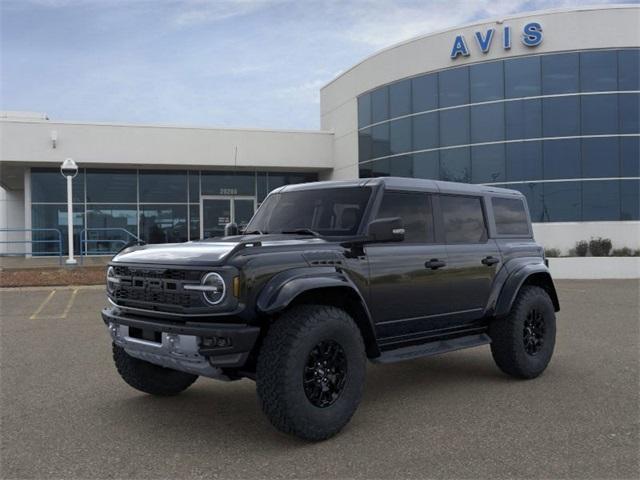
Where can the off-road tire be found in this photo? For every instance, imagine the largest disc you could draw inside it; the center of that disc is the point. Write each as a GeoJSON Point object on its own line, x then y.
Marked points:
{"type": "Point", "coordinates": [150, 378]}
{"type": "Point", "coordinates": [507, 343]}
{"type": "Point", "coordinates": [281, 363]}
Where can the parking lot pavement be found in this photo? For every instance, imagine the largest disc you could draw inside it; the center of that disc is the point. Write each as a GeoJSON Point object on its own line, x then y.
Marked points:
{"type": "Point", "coordinates": [67, 414]}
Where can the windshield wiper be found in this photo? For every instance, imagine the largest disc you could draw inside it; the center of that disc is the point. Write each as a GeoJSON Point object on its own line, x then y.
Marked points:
{"type": "Point", "coordinates": [302, 231]}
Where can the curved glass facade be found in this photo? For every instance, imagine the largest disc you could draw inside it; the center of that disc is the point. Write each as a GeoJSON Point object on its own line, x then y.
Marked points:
{"type": "Point", "coordinates": [561, 128]}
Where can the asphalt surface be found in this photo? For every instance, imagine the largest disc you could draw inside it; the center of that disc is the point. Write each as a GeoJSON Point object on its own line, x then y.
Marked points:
{"type": "Point", "coordinates": [67, 414]}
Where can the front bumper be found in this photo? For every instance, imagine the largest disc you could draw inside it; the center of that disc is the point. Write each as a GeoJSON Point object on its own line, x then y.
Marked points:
{"type": "Point", "coordinates": [193, 347]}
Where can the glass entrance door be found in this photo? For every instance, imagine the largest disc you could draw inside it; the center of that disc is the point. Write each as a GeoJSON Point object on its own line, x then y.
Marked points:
{"type": "Point", "coordinates": [216, 211]}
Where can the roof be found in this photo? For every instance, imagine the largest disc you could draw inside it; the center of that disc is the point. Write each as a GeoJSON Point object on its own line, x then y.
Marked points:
{"type": "Point", "coordinates": [403, 183]}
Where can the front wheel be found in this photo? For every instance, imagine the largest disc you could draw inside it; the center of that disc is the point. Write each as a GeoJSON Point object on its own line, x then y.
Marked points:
{"type": "Point", "coordinates": [522, 343]}
{"type": "Point", "coordinates": [311, 370]}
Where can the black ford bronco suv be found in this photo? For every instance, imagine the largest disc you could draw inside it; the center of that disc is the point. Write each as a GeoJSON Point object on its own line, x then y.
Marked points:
{"type": "Point", "coordinates": [325, 276]}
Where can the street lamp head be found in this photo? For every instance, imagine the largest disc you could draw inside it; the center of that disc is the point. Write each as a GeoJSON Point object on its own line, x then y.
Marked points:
{"type": "Point", "coordinates": [69, 168]}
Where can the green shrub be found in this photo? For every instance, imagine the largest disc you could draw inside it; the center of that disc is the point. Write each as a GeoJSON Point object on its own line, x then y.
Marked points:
{"type": "Point", "coordinates": [622, 252]}
{"type": "Point", "coordinates": [551, 252]}
{"type": "Point", "coordinates": [600, 247]}
{"type": "Point", "coordinates": [581, 249]}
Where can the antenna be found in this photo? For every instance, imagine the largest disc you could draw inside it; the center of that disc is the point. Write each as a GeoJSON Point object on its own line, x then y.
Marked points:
{"type": "Point", "coordinates": [235, 158]}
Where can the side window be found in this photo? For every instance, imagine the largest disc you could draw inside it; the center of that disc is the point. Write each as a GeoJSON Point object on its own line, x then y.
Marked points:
{"type": "Point", "coordinates": [415, 211]}
{"type": "Point", "coordinates": [463, 219]}
{"type": "Point", "coordinates": [511, 218]}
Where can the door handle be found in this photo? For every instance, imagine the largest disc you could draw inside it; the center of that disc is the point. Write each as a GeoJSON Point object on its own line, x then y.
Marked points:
{"type": "Point", "coordinates": [434, 264]}
{"type": "Point", "coordinates": [488, 261]}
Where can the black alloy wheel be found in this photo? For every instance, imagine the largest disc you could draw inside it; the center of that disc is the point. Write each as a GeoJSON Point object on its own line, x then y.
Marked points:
{"type": "Point", "coordinates": [533, 332]}
{"type": "Point", "coordinates": [325, 373]}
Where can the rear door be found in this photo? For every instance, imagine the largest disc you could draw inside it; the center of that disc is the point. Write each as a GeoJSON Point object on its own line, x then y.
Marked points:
{"type": "Point", "coordinates": [473, 258]}
{"type": "Point", "coordinates": [404, 290]}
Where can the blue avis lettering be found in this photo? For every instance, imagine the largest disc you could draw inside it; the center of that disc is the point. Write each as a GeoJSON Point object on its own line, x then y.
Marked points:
{"type": "Point", "coordinates": [531, 37]}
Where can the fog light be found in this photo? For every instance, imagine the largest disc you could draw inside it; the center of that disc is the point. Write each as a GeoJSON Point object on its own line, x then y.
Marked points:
{"type": "Point", "coordinates": [214, 342]}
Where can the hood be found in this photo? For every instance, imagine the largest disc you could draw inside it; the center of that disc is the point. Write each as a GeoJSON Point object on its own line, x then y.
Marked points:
{"type": "Point", "coordinates": [209, 252]}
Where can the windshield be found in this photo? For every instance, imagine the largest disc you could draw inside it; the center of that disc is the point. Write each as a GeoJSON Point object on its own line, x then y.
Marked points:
{"type": "Point", "coordinates": [326, 211]}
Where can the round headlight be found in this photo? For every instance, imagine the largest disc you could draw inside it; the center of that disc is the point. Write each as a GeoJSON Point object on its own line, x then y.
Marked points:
{"type": "Point", "coordinates": [214, 288]}
{"type": "Point", "coordinates": [111, 279]}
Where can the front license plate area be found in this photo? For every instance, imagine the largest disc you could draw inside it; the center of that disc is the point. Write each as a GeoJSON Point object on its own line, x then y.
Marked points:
{"type": "Point", "coordinates": [145, 334]}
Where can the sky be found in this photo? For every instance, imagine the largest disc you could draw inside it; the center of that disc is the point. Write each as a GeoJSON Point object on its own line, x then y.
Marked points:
{"type": "Point", "coordinates": [219, 63]}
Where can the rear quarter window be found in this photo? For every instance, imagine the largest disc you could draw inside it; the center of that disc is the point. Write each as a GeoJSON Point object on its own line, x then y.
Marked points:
{"type": "Point", "coordinates": [463, 219]}
{"type": "Point", "coordinates": [510, 216]}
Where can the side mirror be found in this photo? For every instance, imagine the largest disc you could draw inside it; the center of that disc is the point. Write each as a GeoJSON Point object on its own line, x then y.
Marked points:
{"type": "Point", "coordinates": [230, 229]}
{"type": "Point", "coordinates": [386, 230]}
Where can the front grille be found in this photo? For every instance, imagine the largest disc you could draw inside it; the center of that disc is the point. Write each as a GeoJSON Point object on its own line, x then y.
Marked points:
{"type": "Point", "coordinates": [156, 289]}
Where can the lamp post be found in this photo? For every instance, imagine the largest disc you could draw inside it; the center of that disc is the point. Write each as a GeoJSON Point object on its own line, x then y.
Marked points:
{"type": "Point", "coordinates": [69, 170]}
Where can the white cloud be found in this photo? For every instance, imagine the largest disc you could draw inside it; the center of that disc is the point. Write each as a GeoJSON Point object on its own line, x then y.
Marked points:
{"type": "Point", "coordinates": [211, 11]}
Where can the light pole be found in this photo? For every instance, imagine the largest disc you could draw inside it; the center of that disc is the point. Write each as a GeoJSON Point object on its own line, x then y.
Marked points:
{"type": "Point", "coordinates": [69, 170]}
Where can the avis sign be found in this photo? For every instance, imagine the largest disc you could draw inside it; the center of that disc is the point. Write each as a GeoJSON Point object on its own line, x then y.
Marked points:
{"type": "Point", "coordinates": [531, 37]}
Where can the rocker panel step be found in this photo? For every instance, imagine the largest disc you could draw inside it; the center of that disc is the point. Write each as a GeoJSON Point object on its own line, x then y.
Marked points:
{"type": "Point", "coordinates": [432, 348]}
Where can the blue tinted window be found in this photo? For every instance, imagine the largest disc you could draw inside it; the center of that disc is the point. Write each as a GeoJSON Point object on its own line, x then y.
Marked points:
{"type": "Point", "coordinates": [629, 70]}
{"type": "Point", "coordinates": [523, 119]}
{"type": "Point", "coordinates": [560, 73]}
{"type": "Point", "coordinates": [401, 166]}
{"type": "Point", "coordinates": [454, 87]}
{"type": "Point", "coordinates": [54, 216]}
{"type": "Point", "coordinates": [224, 183]}
{"type": "Point", "coordinates": [562, 201]}
{"type": "Point", "coordinates": [561, 159]}
{"type": "Point", "coordinates": [262, 187]}
{"type": "Point", "coordinates": [400, 135]}
{"type": "Point", "coordinates": [598, 71]}
{"type": "Point", "coordinates": [115, 217]}
{"type": "Point", "coordinates": [163, 223]}
{"type": "Point", "coordinates": [487, 81]}
{"type": "Point", "coordinates": [600, 201]}
{"type": "Point", "coordinates": [561, 116]}
{"type": "Point", "coordinates": [424, 93]}
{"type": "Point", "coordinates": [454, 127]}
{"type": "Point", "coordinates": [400, 98]}
{"type": "Point", "coordinates": [364, 110]}
{"type": "Point", "coordinates": [48, 185]}
{"type": "Point", "coordinates": [380, 105]}
{"type": "Point", "coordinates": [426, 165]}
{"type": "Point", "coordinates": [106, 186]}
{"type": "Point", "coordinates": [488, 164]}
{"type": "Point", "coordinates": [600, 157]}
{"type": "Point", "coordinates": [524, 161]}
{"type": "Point", "coordinates": [194, 186]}
{"type": "Point", "coordinates": [161, 187]}
{"type": "Point", "coordinates": [487, 122]}
{"type": "Point", "coordinates": [599, 114]}
{"type": "Point", "coordinates": [629, 112]}
{"type": "Point", "coordinates": [455, 165]}
{"type": "Point", "coordinates": [381, 168]}
{"type": "Point", "coordinates": [194, 221]}
{"type": "Point", "coordinates": [630, 157]}
{"type": "Point", "coordinates": [629, 204]}
{"type": "Point", "coordinates": [365, 170]}
{"type": "Point", "coordinates": [380, 137]}
{"type": "Point", "coordinates": [365, 145]}
{"type": "Point", "coordinates": [533, 194]}
{"type": "Point", "coordinates": [522, 77]}
{"type": "Point", "coordinates": [425, 131]}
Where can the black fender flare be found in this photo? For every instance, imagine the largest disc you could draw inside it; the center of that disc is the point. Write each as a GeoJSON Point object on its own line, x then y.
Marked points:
{"type": "Point", "coordinates": [538, 272]}
{"type": "Point", "coordinates": [283, 288]}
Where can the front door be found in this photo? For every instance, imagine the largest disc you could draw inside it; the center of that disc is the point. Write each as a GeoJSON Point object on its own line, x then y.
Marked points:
{"type": "Point", "coordinates": [216, 211]}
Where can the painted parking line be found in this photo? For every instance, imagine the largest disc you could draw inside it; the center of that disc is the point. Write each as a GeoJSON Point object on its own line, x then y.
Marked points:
{"type": "Point", "coordinates": [42, 305]}
{"type": "Point", "coordinates": [37, 315]}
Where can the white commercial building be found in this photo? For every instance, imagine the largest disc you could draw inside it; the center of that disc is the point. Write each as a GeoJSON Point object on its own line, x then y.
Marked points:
{"type": "Point", "coordinates": [546, 103]}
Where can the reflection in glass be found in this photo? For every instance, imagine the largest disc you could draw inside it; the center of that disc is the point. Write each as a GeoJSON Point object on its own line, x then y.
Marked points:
{"type": "Point", "coordinates": [487, 122]}
{"type": "Point", "coordinates": [629, 112]}
{"type": "Point", "coordinates": [400, 135]}
{"type": "Point", "coordinates": [194, 221]}
{"type": "Point", "coordinates": [600, 200]}
{"type": "Point", "coordinates": [400, 98]}
{"type": "Point", "coordinates": [380, 105]}
{"type": "Point", "coordinates": [194, 186]}
{"type": "Point", "coordinates": [463, 219]}
{"type": "Point", "coordinates": [454, 127]}
{"type": "Point", "coordinates": [600, 157]}
{"type": "Point", "coordinates": [112, 186]}
{"type": "Point", "coordinates": [562, 201]}
{"type": "Point", "coordinates": [111, 220]}
{"type": "Point", "coordinates": [414, 209]}
{"type": "Point", "coordinates": [364, 110]}
{"type": "Point", "coordinates": [426, 165]}
{"type": "Point", "coordinates": [401, 166]}
{"type": "Point", "coordinates": [630, 157]}
{"type": "Point", "coordinates": [487, 81]}
{"type": "Point", "coordinates": [488, 164]}
{"type": "Point", "coordinates": [629, 69]}
{"type": "Point", "coordinates": [599, 114]}
{"type": "Point", "coordinates": [424, 93]}
{"type": "Point", "coordinates": [228, 183]}
{"type": "Point", "coordinates": [510, 216]}
{"type": "Point", "coordinates": [533, 193]}
{"type": "Point", "coordinates": [599, 71]}
{"type": "Point", "coordinates": [163, 223]}
{"type": "Point", "coordinates": [524, 161]}
{"type": "Point", "coordinates": [425, 131]}
{"type": "Point", "coordinates": [365, 145]}
{"type": "Point", "coordinates": [629, 204]}
{"type": "Point", "coordinates": [522, 77]}
{"type": "Point", "coordinates": [561, 116]}
{"type": "Point", "coordinates": [160, 187]}
{"type": "Point", "coordinates": [454, 87]}
{"type": "Point", "coordinates": [48, 185]}
{"type": "Point", "coordinates": [523, 119]}
{"type": "Point", "coordinates": [380, 140]}
{"type": "Point", "coordinates": [455, 165]}
{"type": "Point", "coordinates": [55, 217]}
{"type": "Point", "coordinates": [561, 159]}
{"type": "Point", "coordinates": [560, 73]}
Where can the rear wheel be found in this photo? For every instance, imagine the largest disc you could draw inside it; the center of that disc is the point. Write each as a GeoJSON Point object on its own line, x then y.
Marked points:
{"type": "Point", "coordinates": [522, 343]}
{"type": "Point", "coordinates": [150, 378]}
{"type": "Point", "coordinates": [311, 370]}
